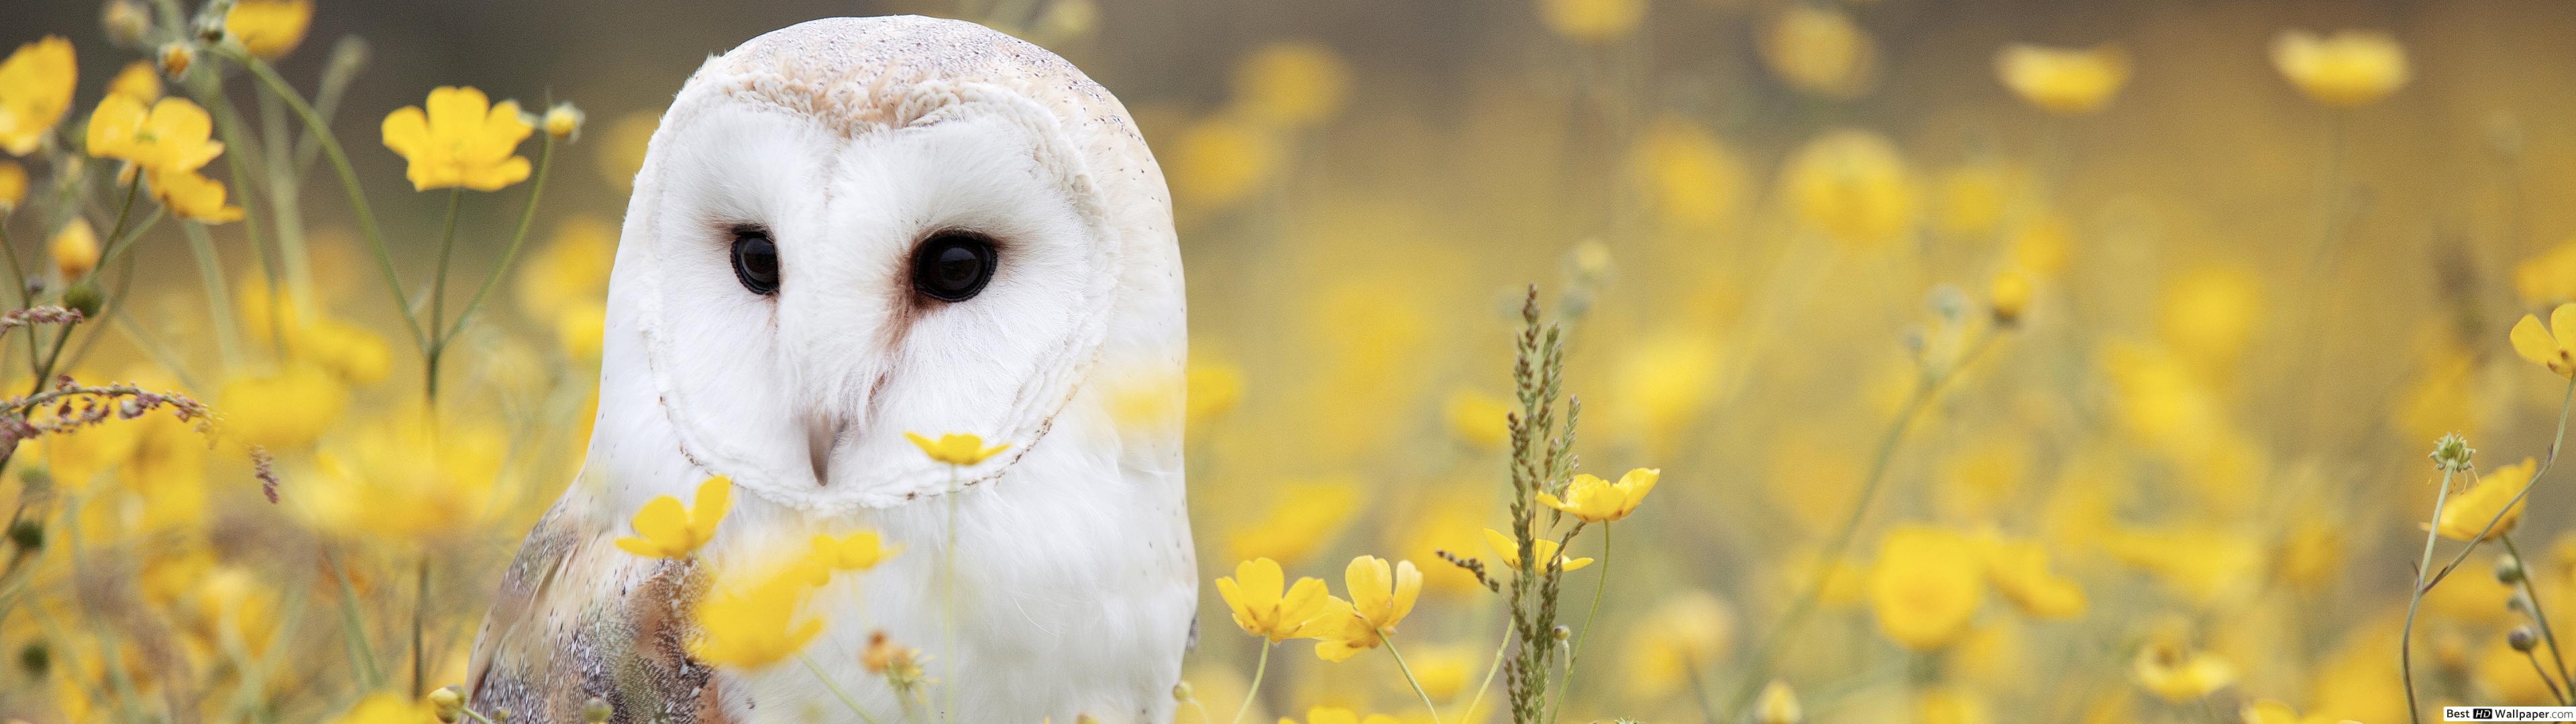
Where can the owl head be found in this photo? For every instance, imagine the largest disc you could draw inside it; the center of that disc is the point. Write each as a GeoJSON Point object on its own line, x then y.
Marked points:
{"type": "Point", "coordinates": [854, 228]}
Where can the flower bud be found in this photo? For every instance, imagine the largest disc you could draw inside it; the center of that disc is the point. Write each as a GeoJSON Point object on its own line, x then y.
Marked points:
{"type": "Point", "coordinates": [2452, 453]}
{"type": "Point", "coordinates": [447, 703]}
{"type": "Point", "coordinates": [75, 250]}
{"type": "Point", "coordinates": [563, 120]}
{"type": "Point", "coordinates": [126, 22]}
{"type": "Point", "coordinates": [84, 297]}
{"type": "Point", "coordinates": [1560, 633]}
{"type": "Point", "coordinates": [1182, 693]}
{"type": "Point", "coordinates": [36, 659]}
{"type": "Point", "coordinates": [28, 535]}
{"type": "Point", "coordinates": [596, 710]}
{"type": "Point", "coordinates": [2010, 294]}
{"type": "Point", "coordinates": [2521, 639]}
{"type": "Point", "coordinates": [2508, 570]}
{"type": "Point", "coordinates": [175, 58]}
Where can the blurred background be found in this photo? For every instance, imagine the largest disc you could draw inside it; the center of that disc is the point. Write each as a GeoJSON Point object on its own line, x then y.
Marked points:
{"type": "Point", "coordinates": [2138, 319]}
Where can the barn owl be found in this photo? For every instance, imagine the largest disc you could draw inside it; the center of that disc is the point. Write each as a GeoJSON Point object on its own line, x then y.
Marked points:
{"type": "Point", "coordinates": [844, 231]}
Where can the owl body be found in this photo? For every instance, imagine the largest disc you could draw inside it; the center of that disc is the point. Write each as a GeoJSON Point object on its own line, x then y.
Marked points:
{"type": "Point", "coordinates": [844, 231]}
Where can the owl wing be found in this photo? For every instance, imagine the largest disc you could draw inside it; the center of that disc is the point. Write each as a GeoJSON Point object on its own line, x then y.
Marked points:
{"type": "Point", "coordinates": [576, 619]}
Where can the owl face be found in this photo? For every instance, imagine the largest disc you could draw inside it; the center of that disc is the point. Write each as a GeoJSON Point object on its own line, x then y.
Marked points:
{"type": "Point", "coordinates": [810, 283]}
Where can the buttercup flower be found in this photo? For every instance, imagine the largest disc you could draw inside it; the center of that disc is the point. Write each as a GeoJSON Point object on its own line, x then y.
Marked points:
{"type": "Point", "coordinates": [664, 530]}
{"type": "Point", "coordinates": [35, 92]}
{"type": "Point", "coordinates": [75, 249]}
{"type": "Point", "coordinates": [1380, 599]}
{"type": "Point", "coordinates": [2554, 346]}
{"type": "Point", "coordinates": [2348, 68]}
{"type": "Point", "coordinates": [172, 135]}
{"type": "Point", "coordinates": [2468, 512]}
{"type": "Point", "coordinates": [1819, 50]}
{"type": "Point", "coordinates": [1541, 550]}
{"type": "Point", "coordinates": [1253, 593]}
{"type": "Point", "coordinates": [753, 626]}
{"type": "Point", "coordinates": [1926, 586]}
{"type": "Point", "coordinates": [1852, 185]}
{"type": "Point", "coordinates": [1593, 500]}
{"type": "Point", "coordinates": [462, 140]}
{"type": "Point", "coordinates": [191, 195]}
{"type": "Point", "coordinates": [854, 552]}
{"type": "Point", "coordinates": [2019, 569]}
{"type": "Point", "coordinates": [954, 448]}
{"type": "Point", "coordinates": [139, 80]}
{"type": "Point", "coordinates": [2064, 81]}
{"type": "Point", "coordinates": [269, 28]}
{"type": "Point", "coordinates": [2177, 675]}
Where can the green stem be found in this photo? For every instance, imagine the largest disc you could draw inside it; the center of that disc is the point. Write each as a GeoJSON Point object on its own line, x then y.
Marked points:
{"type": "Point", "coordinates": [419, 615]}
{"type": "Point", "coordinates": [438, 298]}
{"type": "Point", "coordinates": [354, 624]}
{"type": "Point", "coordinates": [2510, 506]}
{"type": "Point", "coordinates": [2532, 593]}
{"type": "Point", "coordinates": [1408, 678]}
{"type": "Point", "coordinates": [348, 183]}
{"type": "Point", "coordinates": [1759, 672]}
{"type": "Point", "coordinates": [1490, 669]}
{"type": "Point", "coordinates": [1258, 669]}
{"type": "Point", "coordinates": [2415, 599]}
{"type": "Point", "coordinates": [18, 279]}
{"type": "Point", "coordinates": [509, 257]}
{"type": "Point", "coordinates": [1600, 585]}
{"type": "Point", "coordinates": [125, 212]}
{"type": "Point", "coordinates": [948, 596]}
{"type": "Point", "coordinates": [2543, 673]}
{"type": "Point", "coordinates": [835, 688]}
{"type": "Point", "coordinates": [210, 273]}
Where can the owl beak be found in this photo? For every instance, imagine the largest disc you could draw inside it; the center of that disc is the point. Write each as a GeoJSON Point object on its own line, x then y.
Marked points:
{"type": "Point", "coordinates": [822, 433]}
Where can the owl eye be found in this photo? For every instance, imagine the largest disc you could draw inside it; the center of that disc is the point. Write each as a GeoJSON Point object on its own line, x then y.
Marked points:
{"type": "Point", "coordinates": [952, 266]}
{"type": "Point", "coordinates": [755, 261]}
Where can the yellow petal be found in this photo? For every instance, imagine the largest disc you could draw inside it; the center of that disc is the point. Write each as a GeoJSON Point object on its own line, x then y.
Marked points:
{"type": "Point", "coordinates": [715, 495]}
{"type": "Point", "coordinates": [2532, 343]}
{"type": "Point", "coordinates": [1408, 587]}
{"type": "Point", "coordinates": [406, 131]}
{"type": "Point", "coordinates": [661, 521]}
{"type": "Point", "coordinates": [2562, 326]}
{"type": "Point", "coordinates": [1261, 579]}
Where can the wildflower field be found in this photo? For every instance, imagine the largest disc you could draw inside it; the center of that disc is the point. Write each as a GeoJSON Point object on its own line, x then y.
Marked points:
{"type": "Point", "coordinates": [1551, 360]}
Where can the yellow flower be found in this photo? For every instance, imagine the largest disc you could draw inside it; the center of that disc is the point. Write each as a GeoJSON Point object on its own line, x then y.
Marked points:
{"type": "Point", "coordinates": [2210, 314]}
{"type": "Point", "coordinates": [280, 411]}
{"type": "Point", "coordinates": [386, 708]}
{"type": "Point", "coordinates": [2468, 512]}
{"type": "Point", "coordinates": [139, 80]}
{"type": "Point", "coordinates": [2554, 346]}
{"type": "Point", "coordinates": [1221, 161]}
{"type": "Point", "coordinates": [1253, 593]}
{"type": "Point", "coordinates": [1478, 418]}
{"type": "Point", "coordinates": [2176, 675]}
{"type": "Point", "coordinates": [1688, 175]}
{"type": "Point", "coordinates": [2019, 569]}
{"type": "Point", "coordinates": [1778, 705]}
{"type": "Point", "coordinates": [1592, 21]}
{"type": "Point", "coordinates": [2064, 81]}
{"type": "Point", "coordinates": [350, 352]}
{"type": "Point", "coordinates": [1593, 500]}
{"type": "Point", "coordinates": [35, 92]}
{"type": "Point", "coordinates": [171, 135]}
{"type": "Point", "coordinates": [190, 195]}
{"type": "Point", "coordinates": [2349, 68]}
{"type": "Point", "coordinates": [1338, 715]}
{"type": "Point", "coordinates": [1541, 550]}
{"type": "Point", "coordinates": [13, 186]}
{"type": "Point", "coordinates": [750, 627]}
{"type": "Point", "coordinates": [1380, 599]}
{"type": "Point", "coordinates": [664, 530]}
{"type": "Point", "coordinates": [1819, 50]}
{"type": "Point", "coordinates": [854, 552]}
{"type": "Point", "coordinates": [1853, 186]}
{"type": "Point", "coordinates": [1950, 705]}
{"type": "Point", "coordinates": [269, 28]}
{"type": "Point", "coordinates": [75, 249]}
{"type": "Point", "coordinates": [1291, 84]}
{"type": "Point", "coordinates": [1685, 633]}
{"type": "Point", "coordinates": [462, 140]}
{"type": "Point", "coordinates": [954, 448]}
{"type": "Point", "coordinates": [2010, 293]}
{"type": "Point", "coordinates": [1926, 586]}
{"type": "Point", "coordinates": [406, 475]}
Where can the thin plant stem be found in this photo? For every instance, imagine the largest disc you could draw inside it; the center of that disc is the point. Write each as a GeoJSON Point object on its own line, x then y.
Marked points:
{"type": "Point", "coordinates": [438, 298]}
{"type": "Point", "coordinates": [1490, 670]}
{"type": "Point", "coordinates": [1759, 672]}
{"type": "Point", "coordinates": [124, 213]}
{"type": "Point", "coordinates": [510, 256]}
{"type": "Point", "coordinates": [948, 597]}
{"type": "Point", "coordinates": [348, 183]}
{"type": "Point", "coordinates": [2555, 442]}
{"type": "Point", "coordinates": [355, 625]}
{"type": "Point", "coordinates": [853, 704]}
{"type": "Point", "coordinates": [2538, 614]}
{"type": "Point", "coordinates": [2536, 670]}
{"type": "Point", "coordinates": [1408, 678]}
{"type": "Point", "coordinates": [210, 275]}
{"type": "Point", "coordinates": [1258, 669]}
{"type": "Point", "coordinates": [420, 614]}
{"type": "Point", "coordinates": [1600, 585]}
{"type": "Point", "coordinates": [18, 279]}
{"type": "Point", "coordinates": [2415, 598]}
